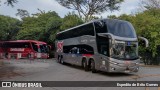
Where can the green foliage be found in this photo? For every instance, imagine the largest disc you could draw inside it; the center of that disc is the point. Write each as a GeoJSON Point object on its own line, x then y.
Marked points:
{"type": "Point", "coordinates": [8, 27]}
{"type": "Point", "coordinates": [147, 25]}
{"type": "Point", "coordinates": [150, 4]}
{"type": "Point", "coordinates": [40, 27]}
{"type": "Point", "coordinates": [44, 26]}
{"type": "Point", "coordinates": [70, 20]}
{"type": "Point", "coordinates": [22, 13]}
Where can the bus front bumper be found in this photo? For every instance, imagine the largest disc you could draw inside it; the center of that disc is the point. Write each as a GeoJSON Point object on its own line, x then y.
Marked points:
{"type": "Point", "coordinates": [123, 68]}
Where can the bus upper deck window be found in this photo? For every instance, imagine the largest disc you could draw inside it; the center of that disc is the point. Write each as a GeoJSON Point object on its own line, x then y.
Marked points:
{"type": "Point", "coordinates": [100, 27]}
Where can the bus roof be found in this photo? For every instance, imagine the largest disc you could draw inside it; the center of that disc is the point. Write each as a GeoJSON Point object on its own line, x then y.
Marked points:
{"type": "Point", "coordinates": [88, 23]}
{"type": "Point", "coordinates": [35, 41]}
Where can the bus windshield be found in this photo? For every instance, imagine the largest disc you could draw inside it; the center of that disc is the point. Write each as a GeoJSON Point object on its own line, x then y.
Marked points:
{"type": "Point", "coordinates": [41, 48]}
{"type": "Point", "coordinates": [121, 28]}
{"type": "Point", "coordinates": [44, 48]}
{"type": "Point", "coordinates": [124, 52]}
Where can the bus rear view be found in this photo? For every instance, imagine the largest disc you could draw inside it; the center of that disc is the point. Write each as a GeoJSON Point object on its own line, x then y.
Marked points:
{"type": "Point", "coordinates": [113, 43]}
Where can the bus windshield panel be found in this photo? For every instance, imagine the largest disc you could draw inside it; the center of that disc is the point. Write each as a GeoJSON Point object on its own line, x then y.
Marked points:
{"type": "Point", "coordinates": [121, 28]}
{"type": "Point", "coordinates": [125, 50]}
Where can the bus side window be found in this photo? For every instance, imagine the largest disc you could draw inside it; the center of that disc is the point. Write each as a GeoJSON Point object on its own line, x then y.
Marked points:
{"type": "Point", "coordinates": [103, 45]}
{"type": "Point", "coordinates": [74, 50]}
{"type": "Point", "coordinates": [43, 49]}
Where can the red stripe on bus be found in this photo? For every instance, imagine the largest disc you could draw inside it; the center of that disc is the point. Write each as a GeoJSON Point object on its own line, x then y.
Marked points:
{"type": "Point", "coordinates": [87, 55]}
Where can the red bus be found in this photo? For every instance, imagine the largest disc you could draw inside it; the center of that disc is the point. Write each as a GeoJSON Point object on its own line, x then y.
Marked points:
{"type": "Point", "coordinates": [25, 49]}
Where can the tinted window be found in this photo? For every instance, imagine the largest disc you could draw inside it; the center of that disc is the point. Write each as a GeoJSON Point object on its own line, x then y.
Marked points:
{"type": "Point", "coordinates": [76, 32]}
{"type": "Point", "coordinates": [17, 45]}
{"type": "Point", "coordinates": [43, 48]}
{"type": "Point", "coordinates": [35, 47]}
{"type": "Point", "coordinates": [80, 49]}
{"type": "Point", "coordinates": [103, 45]}
{"type": "Point", "coordinates": [86, 30]}
{"type": "Point", "coordinates": [100, 27]}
{"type": "Point", "coordinates": [121, 28]}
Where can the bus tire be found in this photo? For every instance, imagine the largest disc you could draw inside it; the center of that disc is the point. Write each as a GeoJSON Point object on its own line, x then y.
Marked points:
{"type": "Point", "coordinates": [84, 65]}
{"type": "Point", "coordinates": [93, 66]}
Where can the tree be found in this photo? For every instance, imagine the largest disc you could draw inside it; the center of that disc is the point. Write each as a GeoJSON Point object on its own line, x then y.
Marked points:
{"type": "Point", "coordinates": [112, 17]}
{"type": "Point", "coordinates": [41, 26]}
{"type": "Point", "coordinates": [87, 8]}
{"type": "Point", "coordinates": [9, 27]}
{"type": "Point", "coordinates": [22, 13]}
{"type": "Point", "coordinates": [10, 2]}
{"type": "Point", "coordinates": [70, 20]}
{"type": "Point", "coordinates": [150, 4]}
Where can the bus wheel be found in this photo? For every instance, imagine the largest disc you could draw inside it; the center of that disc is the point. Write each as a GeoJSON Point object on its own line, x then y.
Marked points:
{"type": "Point", "coordinates": [93, 66]}
{"type": "Point", "coordinates": [84, 65]}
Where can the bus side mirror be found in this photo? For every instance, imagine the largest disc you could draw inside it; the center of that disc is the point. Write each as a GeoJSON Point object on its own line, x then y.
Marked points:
{"type": "Point", "coordinates": [146, 41]}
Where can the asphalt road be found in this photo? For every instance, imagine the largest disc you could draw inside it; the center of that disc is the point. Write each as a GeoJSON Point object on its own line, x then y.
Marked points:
{"type": "Point", "coordinates": [50, 70]}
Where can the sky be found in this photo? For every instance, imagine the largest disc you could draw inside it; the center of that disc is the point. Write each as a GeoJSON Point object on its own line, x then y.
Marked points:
{"type": "Point", "coordinates": [127, 7]}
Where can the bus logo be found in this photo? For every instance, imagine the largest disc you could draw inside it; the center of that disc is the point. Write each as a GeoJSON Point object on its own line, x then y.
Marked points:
{"type": "Point", "coordinates": [60, 46]}
{"type": "Point", "coordinates": [17, 49]}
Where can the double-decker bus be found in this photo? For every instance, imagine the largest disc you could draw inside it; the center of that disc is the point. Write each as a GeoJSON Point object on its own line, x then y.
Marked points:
{"type": "Point", "coordinates": [108, 45]}
{"type": "Point", "coordinates": [25, 49]}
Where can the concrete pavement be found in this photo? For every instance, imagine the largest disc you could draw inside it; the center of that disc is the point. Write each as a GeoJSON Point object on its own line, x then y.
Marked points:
{"type": "Point", "coordinates": [50, 70]}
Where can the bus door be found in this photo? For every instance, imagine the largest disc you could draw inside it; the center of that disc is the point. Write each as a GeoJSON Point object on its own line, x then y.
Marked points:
{"type": "Point", "coordinates": [103, 50]}
{"type": "Point", "coordinates": [103, 46]}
